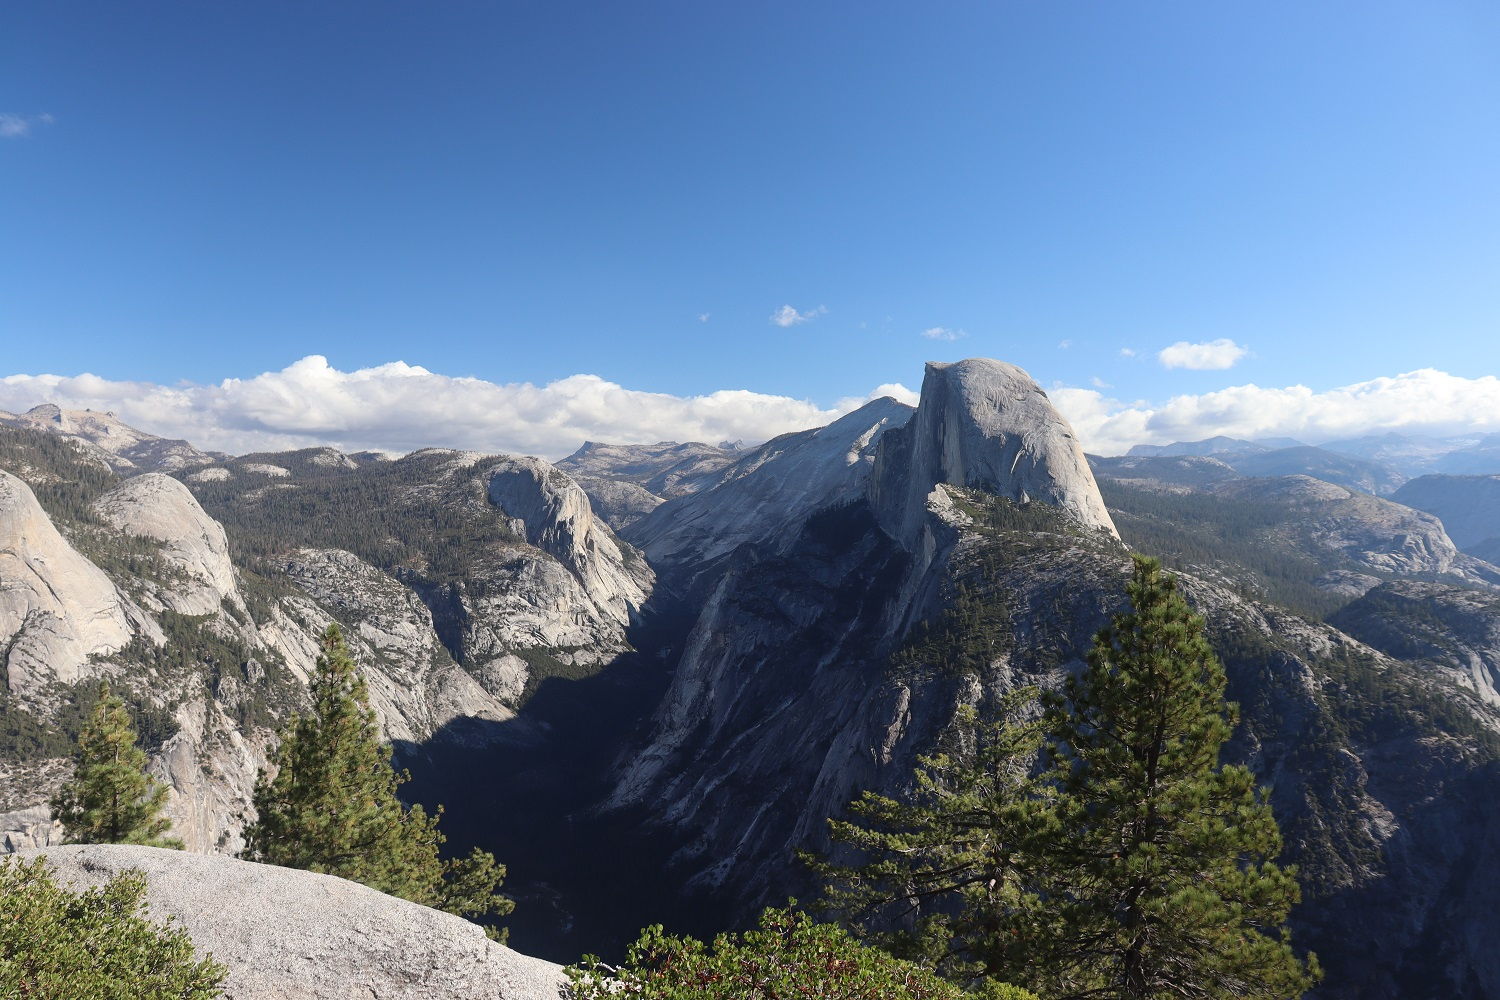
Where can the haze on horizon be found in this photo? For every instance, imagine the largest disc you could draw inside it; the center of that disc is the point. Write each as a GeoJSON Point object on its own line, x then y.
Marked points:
{"type": "Point", "coordinates": [515, 227]}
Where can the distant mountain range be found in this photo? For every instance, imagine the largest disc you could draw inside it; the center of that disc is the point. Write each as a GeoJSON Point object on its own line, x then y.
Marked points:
{"type": "Point", "coordinates": [1376, 463]}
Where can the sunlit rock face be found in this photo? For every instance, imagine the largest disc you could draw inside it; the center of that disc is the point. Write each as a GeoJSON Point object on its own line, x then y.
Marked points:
{"type": "Point", "coordinates": [770, 488]}
{"type": "Point", "coordinates": [557, 518]}
{"type": "Point", "coordinates": [814, 556]}
{"type": "Point", "coordinates": [984, 424]}
{"type": "Point", "coordinates": [161, 508]}
{"type": "Point", "coordinates": [57, 609]}
{"type": "Point", "coordinates": [416, 689]}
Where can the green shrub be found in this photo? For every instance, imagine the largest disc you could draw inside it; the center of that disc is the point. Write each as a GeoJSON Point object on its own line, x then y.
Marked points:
{"type": "Point", "coordinates": [788, 956]}
{"type": "Point", "coordinates": [96, 944]}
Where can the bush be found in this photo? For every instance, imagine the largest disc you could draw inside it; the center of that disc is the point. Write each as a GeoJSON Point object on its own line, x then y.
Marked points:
{"type": "Point", "coordinates": [788, 956]}
{"type": "Point", "coordinates": [96, 944]}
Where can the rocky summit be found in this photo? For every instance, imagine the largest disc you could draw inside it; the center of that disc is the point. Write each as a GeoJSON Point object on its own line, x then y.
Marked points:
{"type": "Point", "coordinates": [645, 677]}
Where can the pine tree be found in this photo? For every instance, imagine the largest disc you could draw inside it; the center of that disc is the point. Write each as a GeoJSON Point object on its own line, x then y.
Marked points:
{"type": "Point", "coordinates": [947, 873]}
{"type": "Point", "coordinates": [332, 805]}
{"type": "Point", "coordinates": [111, 799]}
{"type": "Point", "coordinates": [1164, 879]}
{"type": "Point", "coordinates": [1133, 865]}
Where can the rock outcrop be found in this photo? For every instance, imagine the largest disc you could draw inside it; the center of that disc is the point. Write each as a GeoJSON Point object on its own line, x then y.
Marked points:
{"type": "Point", "coordinates": [161, 508]}
{"type": "Point", "coordinates": [57, 609]}
{"type": "Point", "coordinates": [555, 516]}
{"type": "Point", "coordinates": [983, 424]}
{"type": "Point", "coordinates": [617, 502]}
{"type": "Point", "coordinates": [285, 934]}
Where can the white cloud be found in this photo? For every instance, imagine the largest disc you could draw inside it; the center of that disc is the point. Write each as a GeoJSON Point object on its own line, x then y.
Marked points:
{"type": "Point", "coordinates": [1127, 352]}
{"type": "Point", "coordinates": [943, 333]}
{"type": "Point", "coordinates": [703, 317]}
{"type": "Point", "coordinates": [1099, 383]}
{"type": "Point", "coordinates": [1212, 355]}
{"type": "Point", "coordinates": [1063, 345]}
{"type": "Point", "coordinates": [1426, 401]}
{"type": "Point", "coordinates": [400, 407]}
{"type": "Point", "coordinates": [14, 126]}
{"type": "Point", "coordinates": [788, 316]}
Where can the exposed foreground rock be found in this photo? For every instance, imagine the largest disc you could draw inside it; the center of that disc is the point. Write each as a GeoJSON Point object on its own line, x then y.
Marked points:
{"type": "Point", "coordinates": [293, 935]}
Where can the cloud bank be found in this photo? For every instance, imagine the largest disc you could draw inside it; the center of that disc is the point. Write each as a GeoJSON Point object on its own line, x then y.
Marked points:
{"type": "Point", "coordinates": [1426, 401]}
{"type": "Point", "coordinates": [399, 407]}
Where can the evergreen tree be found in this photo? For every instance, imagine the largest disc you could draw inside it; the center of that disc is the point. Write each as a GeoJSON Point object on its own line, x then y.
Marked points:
{"type": "Point", "coordinates": [948, 873]}
{"type": "Point", "coordinates": [111, 799]}
{"type": "Point", "coordinates": [1132, 864]}
{"type": "Point", "coordinates": [1164, 879]}
{"type": "Point", "coordinates": [332, 805]}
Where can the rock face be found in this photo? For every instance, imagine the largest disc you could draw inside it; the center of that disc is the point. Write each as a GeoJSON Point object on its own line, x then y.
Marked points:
{"type": "Point", "coordinates": [822, 548]}
{"type": "Point", "coordinates": [57, 609]}
{"type": "Point", "coordinates": [555, 515]}
{"type": "Point", "coordinates": [983, 424]}
{"type": "Point", "coordinates": [415, 687]}
{"type": "Point", "coordinates": [1451, 628]}
{"type": "Point", "coordinates": [295, 935]}
{"type": "Point", "coordinates": [1469, 506]}
{"type": "Point", "coordinates": [158, 507]}
{"type": "Point", "coordinates": [619, 503]}
{"type": "Point", "coordinates": [770, 488]}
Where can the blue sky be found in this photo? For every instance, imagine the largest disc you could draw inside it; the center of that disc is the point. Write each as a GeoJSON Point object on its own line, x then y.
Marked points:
{"type": "Point", "coordinates": [522, 192]}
